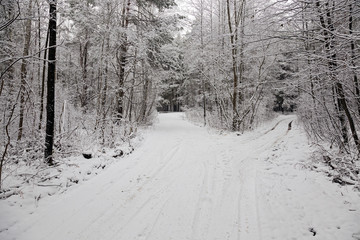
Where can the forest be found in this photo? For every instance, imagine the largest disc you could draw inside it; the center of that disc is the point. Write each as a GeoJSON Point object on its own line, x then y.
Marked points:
{"type": "Point", "coordinates": [79, 73]}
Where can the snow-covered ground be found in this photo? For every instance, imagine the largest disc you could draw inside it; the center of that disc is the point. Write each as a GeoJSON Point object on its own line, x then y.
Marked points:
{"type": "Point", "coordinates": [186, 182]}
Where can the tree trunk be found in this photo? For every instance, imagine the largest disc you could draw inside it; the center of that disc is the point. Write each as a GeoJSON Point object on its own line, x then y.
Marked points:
{"type": "Point", "coordinates": [328, 32]}
{"type": "Point", "coordinates": [24, 72]}
{"type": "Point", "coordinates": [145, 92]}
{"type": "Point", "coordinates": [84, 49]}
{"type": "Point", "coordinates": [234, 67]}
{"type": "Point", "coordinates": [42, 91]}
{"type": "Point", "coordinates": [201, 66]}
{"type": "Point", "coordinates": [39, 44]}
{"type": "Point", "coordinates": [353, 57]}
{"type": "Point", "coordinates": [131, 97]}
{"type": "Point", "coordinates": [241, 49]}
{"type": "Point", "coordinates": [342, 102]}
{"type": "Point", "coordinates": [50, 105]}
{"type": "Point", "coordinates": [121, 59]}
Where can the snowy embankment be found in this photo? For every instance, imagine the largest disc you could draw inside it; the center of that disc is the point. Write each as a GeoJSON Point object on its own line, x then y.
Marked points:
{"type": "Point", "coordinates": [186, 183]}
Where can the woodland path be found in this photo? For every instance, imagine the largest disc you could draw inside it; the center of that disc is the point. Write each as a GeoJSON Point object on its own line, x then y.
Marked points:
{"type": "Point", "coordinates": [186, 182]}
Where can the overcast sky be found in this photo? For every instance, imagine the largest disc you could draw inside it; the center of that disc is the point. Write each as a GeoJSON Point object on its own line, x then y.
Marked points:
{"type": "Point", "coordinates": [184, 8]}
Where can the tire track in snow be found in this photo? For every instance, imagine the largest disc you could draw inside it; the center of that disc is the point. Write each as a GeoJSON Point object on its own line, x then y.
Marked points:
{"type": "Point", "coordinates": [135, 190]}
{"type": "Point", "coordinates": [164, 175]}
{"type": "Point", "coordinates": [168, 160]}
{"type": "Point", "coordinates": [181, 185]}
{"type": "Point", "coordinates": [151, 204]}
{"type": "Point", "coordinates": [202, 215]}
{"type": "Point", "coordinates": [159, 214]}
{"type": "Point", "coordinates": [153, 178]}
{"type": "Point", "coordinates": [247, 202]}
{"type": "Point", "coordinates": [247, 221]}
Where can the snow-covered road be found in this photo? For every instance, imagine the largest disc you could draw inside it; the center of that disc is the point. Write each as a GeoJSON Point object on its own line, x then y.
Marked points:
{"type": "Point", "coordinates": [186, 183]}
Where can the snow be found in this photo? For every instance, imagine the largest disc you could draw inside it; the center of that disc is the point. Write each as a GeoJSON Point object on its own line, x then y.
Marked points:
{"type": "Point", "coordinates": [188, 182]}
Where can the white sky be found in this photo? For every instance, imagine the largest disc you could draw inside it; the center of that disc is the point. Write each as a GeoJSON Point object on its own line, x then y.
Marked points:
{"type": "Point", "coordinates": [184, 8]}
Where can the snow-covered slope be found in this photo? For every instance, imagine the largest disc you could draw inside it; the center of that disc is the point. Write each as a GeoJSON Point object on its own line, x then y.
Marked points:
{"type": "Point", "coordinates": [187, 183]}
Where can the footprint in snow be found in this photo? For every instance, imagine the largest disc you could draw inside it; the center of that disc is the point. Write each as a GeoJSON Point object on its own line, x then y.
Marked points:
{"type": "Point", "coordinates": [312, 230]}
{"type": "Point", "coordinates": [356, 236]}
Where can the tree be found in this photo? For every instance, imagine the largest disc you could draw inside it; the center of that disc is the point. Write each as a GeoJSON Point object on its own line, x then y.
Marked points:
{"type": "Point", "coordinates": [230, 53]}
{"type": "Point", "coordinates": [50, 104]}
{"type": "Point", "coordinates": [24, 72]}
{"type": "Point", "coordinates": [331, 81]}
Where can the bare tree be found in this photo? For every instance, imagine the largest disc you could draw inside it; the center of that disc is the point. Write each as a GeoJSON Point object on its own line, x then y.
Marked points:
{"type": "Point", "coordinates": [50, 104]}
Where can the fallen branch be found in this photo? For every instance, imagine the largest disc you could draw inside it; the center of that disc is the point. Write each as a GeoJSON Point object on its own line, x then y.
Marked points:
{"type": "Point", "coordinates": [48, 185]}
{"type": "Point", "coordinates": [48, 178]}
{"type": "Point", "coordinates": [8, 194]}
{"type": "Point", "coordinates": [342, 182]}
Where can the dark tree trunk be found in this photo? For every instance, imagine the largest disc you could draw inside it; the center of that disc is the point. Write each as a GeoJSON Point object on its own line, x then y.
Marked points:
{"type": "Point", "coordinates": [145, 93]}
{"type": "Point", "coordinates": [120, 91]}
{"type": "Point", "coordinates": [204, 98]}
{"type": "Point", "coordinates": [50, 105]}
{"type": "Point", "coordinates": [131, 97]}
{"type": "Point", "coordinates": [122, 59]}
{"type": "Point", "coordinates": [343, 103]}
{"type": "Point", "coordinates": [234, 67]}
{"type": "Point", "coordinates": [24, 72]}
{"type": "Point", "coordinates": [84, 54]}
